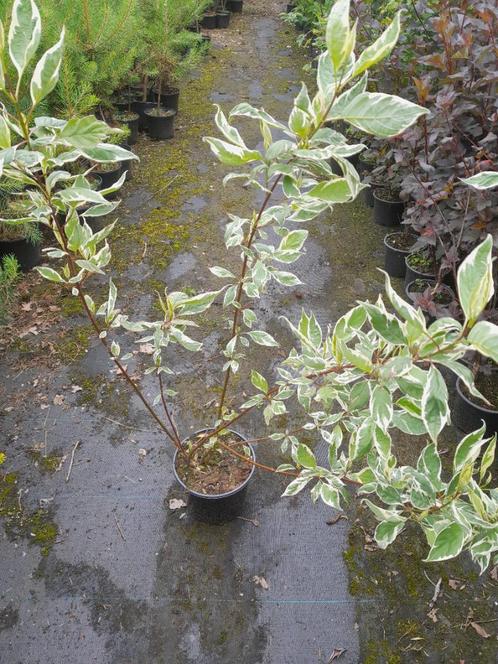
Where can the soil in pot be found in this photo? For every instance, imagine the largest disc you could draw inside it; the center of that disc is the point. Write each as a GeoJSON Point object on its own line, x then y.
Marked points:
{"type": "Point", "coordinates": [208, 21]}
{"type": "Point", "coordinates": [131, 120]}
{"type": "Point", "coordinates": [222, 19]}
{"type": "Point", "coordinates": [161, 123]}
{"type": "Point", "coordinates": [214, 472]}
{"type": "Point", "coordinates": [420, 265]}
{"type": "Point", "coordinates": [487, 384]}
{"type": "Point", "coordinates": [388, 209]}
{"type": "Point", "coordinates": [397, 247]}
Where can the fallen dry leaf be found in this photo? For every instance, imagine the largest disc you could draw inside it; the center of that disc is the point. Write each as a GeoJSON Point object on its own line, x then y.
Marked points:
{"type": "Point", "coordinates": [454, 584]}
{"type": "Point", "coordinates": [261, 581]}
{"type": "Point", "coordinates": [142, 454]}
{"type": "Point", "coordinates": [480, 630]}
{"type": "Point", "coordinates": [76, 388]}
{"type": "Point", "coordinates": [177, 504]}
{"type": "Point", "coordinates": [58, 400]}
{"type": "Point", "coordinates": [148, 349]}
{"type": "Point", "coordinates": [494, 573]}
{"type": "Point", "coordinates": [336, 653]}
{"type": "Point", "coordinates": [432, 614]}
{"type": "Point", "coordinates": [26, 306]}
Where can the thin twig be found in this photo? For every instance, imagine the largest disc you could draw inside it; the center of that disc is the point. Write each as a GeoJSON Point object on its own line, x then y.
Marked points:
{"type": "Point", "coordinates": [254, 522]}
{"type": "Point", "coordinates": [72, 460]}
{"type": "Point", "coordinates": [126, 426]}
{"type": "Point", "coordinates": [119, 527]}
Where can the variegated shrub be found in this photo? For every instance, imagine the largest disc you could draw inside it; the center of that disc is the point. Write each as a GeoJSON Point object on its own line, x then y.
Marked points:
{"type": "Point", "coordinates": [375, 372]}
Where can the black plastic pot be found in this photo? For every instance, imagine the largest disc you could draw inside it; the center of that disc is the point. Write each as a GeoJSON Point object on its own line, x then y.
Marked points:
{"type": "Point", "coordinates": [161, 126]}
{"type": "Point", "coordinates": [468, 416]}
{"type": "Point", "coordinates": [110, 177]}
{"type": "Point", "coordinates": [218, 508]}
{"type": "Point", "coordinates": [290, 7]}
{"type": "Point", "coordinates": [430, 282]}
{"type": "Point", "coordinates": [387, 213]}
{"type": "Point", "coordinates": [394, 259]}
{"type": "Point", "coordinates": [140, 107]}
{"type": "Point", "coordinates": [208, 21]}
{"type": "Point", "coordinates": [169, 98]}
{"type": "Point", "coordinates": [368, 197]}
{"type": "Point", "coordinates": [222, 19]}
{"type": "Point", "coordinates": [412, 273]}
{"type": "Point", "coordinates": [132, 125]}
{"type": "Point", "coordinates": [235, 6]}
{"type": "Point", "coordinates": [27, 253]}
{"type": "Point", "coordinates": [206, 38]}
{"type": "Point", "coordinates": [126, 165]}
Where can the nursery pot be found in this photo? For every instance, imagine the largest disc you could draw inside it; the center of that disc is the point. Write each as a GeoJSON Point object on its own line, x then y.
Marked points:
{"type": "Point", "coordinates": [140, 107]}
{"type": "Point", "coordinates": [132, 124]}
{"type": "Point", "coordinates": [468, 416]}
{"type": "Point", "coordinates": [368, 196]}
{"type": "Point", "coordinates": [169, 98]}
{"type": "Point", "coordinates": [411, 295]}
{"type": "Point", "coordinates": [235, 6]}
{"type": "Point", "coordinates": [126, 165]}
{"type": "Point", "coordinates": [161, 126]}
{"type": "Point", "coordinates": [412, 273]}
{"type": "Point", "coordinates": [222, 19]}
{"type": "Point", "coordinates": [110, 177]}
{"type": "Point", "coordinates": [387, 213]}
{"type": "Point", "coordinates": [125, 104]}
{"type": "Point", "coordinates": [208, 21]}
{"type": "Point", "coordinates": [221, 507]}
{"type": "Point", "coordinates": [394, 258]}
{"type": "Point", "coordinates": [27, 253]}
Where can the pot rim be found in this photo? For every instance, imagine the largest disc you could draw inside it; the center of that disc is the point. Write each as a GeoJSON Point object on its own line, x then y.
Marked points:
{"type": "Point", "coordinates": [425, 275]}
{"type": "Point", "coordinates": [118, 167]}
{"type": "Point", "coordinates": [385, 200]}
{"type": "Point", "coordinates": [169, 113]}
{"type": "Point", "coordinates": [137, 116]}
{"type": "Point", "coordinates": [410, 294]}
{"type": "Point", "coordinates": [401, 251]}
{"type": "Point", "coordinates": [215, 496]}
{"type": "Point", "coordinates": [468, 401]}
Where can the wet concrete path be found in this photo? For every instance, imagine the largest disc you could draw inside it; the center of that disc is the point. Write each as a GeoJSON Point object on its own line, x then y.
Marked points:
{"type": "Point", "coordinates": [95, 567]}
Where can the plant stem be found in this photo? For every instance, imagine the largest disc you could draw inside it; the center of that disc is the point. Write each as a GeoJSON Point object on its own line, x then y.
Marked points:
{"type": "Point", "coordinates": [238, 298]}
{"type": "Point", "coordinates": [168, 415]}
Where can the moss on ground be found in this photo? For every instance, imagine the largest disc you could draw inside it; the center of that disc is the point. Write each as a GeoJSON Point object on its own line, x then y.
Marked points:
{"type": "Point", "coordinates": [37, 526]}
{"type": "Point", "coordinates": [73, 343]}
{"type": "Point", "coordinates": [399, 629]}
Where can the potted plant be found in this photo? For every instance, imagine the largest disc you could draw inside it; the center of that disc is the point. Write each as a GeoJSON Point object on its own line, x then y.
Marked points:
{"type": "Point", "coordinates": [388, 207]}
{"type": "Point", "coordinates": [421, 264]}
{"type": "Point", "coordinates": [397, 246]}
{"type": "Point", "coordinates": [170, 52]}
{"type": "Point", "coordinates": [18, 238]}
{"type": "Point", "coordinates": [435, 300]}
{"type": "Point", "coordinates": [222, 14]}
{"type": "Point", "coordinates": [381, 352]}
